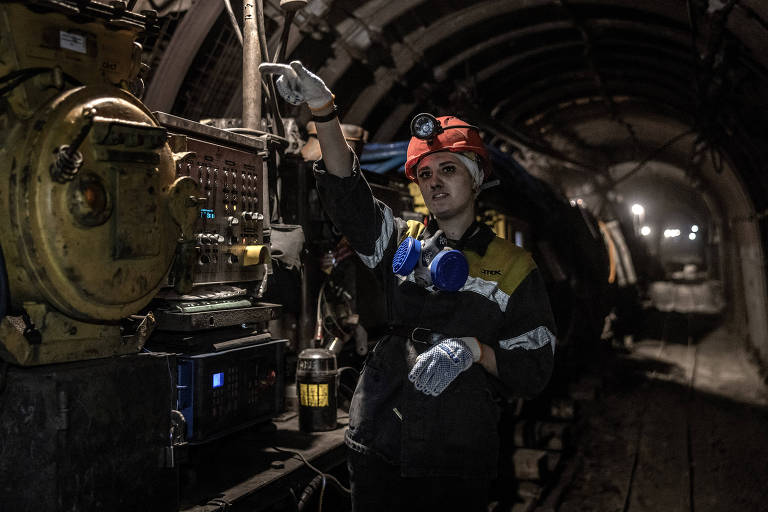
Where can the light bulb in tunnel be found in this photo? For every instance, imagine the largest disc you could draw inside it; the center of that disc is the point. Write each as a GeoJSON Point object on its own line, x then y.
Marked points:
{"type": "Point", "coordinates": [692, 236]}
{"type": "Point", "coordinates": [645, 230]}
{"type": "Point", "coordinates": [637, 209]}
{"type": "Point", "coordinates": [694, 229]}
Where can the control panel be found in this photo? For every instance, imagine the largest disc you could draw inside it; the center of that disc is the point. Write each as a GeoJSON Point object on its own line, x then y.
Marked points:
{"type": "Point", "coordinates": [231, 234]}
{"type": "Point", "coordinates": [219, 392]}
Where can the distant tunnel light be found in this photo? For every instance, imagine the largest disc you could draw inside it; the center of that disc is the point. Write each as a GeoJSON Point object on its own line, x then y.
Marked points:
{"type": "Point", "coordinates": [694, 229]}
{"type": "Point", "coordinates": [691, 236]}
{"type": "Point", "coordinates": [671, 233]}
{"type": "Point", "coordinates": [637, 209]}
{"type": "Point", "coordinates": [645, 230]}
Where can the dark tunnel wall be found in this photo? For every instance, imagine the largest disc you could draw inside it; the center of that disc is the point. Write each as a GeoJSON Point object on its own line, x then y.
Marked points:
{"type": "Point", "coordinates": [577, 87]}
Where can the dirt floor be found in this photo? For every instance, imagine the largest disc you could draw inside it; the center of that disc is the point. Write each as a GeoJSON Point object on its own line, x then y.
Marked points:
{"type": "Point", "coordinates": [676, 427]}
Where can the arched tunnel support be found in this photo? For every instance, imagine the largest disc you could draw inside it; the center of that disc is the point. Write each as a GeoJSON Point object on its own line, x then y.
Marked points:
{"type": "Point", "coordinates": [532, 64]}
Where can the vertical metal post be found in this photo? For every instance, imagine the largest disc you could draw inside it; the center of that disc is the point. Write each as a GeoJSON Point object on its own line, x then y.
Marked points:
{"type": "Point", "coordinates": [307, 313]}
{"type": "Point", "coordinates": [251, 61]}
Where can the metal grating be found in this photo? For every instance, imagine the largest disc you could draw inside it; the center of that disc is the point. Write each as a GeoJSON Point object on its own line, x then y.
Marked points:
{"type": "Point", "coordinates": [213, 76]}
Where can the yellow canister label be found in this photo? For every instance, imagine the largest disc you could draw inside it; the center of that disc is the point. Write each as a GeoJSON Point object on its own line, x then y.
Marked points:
{"type": "Point", "coordinates": [313, 395]}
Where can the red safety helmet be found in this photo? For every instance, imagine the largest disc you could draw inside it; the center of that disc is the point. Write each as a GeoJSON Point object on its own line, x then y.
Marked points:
{"type": "Point", "coordinates": [457, 140]}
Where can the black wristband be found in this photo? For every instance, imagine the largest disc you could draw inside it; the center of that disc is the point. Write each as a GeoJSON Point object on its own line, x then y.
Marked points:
{"type": "Point", "coordinates": [333, 114]}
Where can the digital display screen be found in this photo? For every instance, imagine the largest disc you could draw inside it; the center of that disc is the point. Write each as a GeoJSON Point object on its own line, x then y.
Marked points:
{"type": "Point", "coordinates": [218, 379]}
{"type": "Point", "coordinates": [207, 213]}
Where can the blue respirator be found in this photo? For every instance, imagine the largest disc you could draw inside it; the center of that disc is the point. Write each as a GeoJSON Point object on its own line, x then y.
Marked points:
{"type": "Point", "coordinates": [432, 262]}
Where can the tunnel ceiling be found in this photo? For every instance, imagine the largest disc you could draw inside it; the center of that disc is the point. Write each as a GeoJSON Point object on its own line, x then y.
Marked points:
{"type": "Point", "coordinates": [577, 85]}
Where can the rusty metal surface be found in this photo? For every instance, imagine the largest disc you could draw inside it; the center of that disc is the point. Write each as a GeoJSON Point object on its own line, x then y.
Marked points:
{"type": "Point", "coordinates": [96, 247]}
{"type": "Point", "coordinates": [85, 175]}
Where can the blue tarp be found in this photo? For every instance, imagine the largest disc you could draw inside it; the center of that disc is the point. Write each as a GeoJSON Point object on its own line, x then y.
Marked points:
{"type": "Point", "coordinates": [383, 158]}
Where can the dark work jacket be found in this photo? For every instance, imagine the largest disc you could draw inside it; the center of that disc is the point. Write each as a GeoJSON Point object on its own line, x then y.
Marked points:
{"type": "Point", "coordinates": [503, 304]}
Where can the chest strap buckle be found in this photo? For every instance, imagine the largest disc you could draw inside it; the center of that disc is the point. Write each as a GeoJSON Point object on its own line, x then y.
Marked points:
{"type": "Point", "coordinates": [421, 335]}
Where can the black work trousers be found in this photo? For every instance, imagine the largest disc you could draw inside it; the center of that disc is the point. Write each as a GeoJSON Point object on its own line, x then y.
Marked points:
{"type": "Point", "coordinates": [378, 487]}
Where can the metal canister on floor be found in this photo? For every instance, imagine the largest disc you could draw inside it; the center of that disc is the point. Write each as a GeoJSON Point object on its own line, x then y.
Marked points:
{"type": "Point", "coordinates": [316, 385]}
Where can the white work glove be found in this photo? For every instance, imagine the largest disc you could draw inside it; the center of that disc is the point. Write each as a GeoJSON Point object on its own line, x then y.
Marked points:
{"type": "Point", "coordinates": [438, 366]}
{"type": "Point", "coordinates": [298, 85]}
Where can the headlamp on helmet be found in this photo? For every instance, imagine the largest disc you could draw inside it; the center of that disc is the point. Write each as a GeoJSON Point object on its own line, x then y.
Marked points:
{"type": "Point", "coordinates": [426, 127]}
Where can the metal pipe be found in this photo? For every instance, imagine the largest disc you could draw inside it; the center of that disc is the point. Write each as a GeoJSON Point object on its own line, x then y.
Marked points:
{"type": "Point", "coordinates": [251, 75]}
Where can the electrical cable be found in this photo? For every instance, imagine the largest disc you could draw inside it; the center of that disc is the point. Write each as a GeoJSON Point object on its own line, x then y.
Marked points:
{"type": "Point", "coordinates": [160, 7]}
{"type": "Point", "coordinates": [313, 468]}
{"type": "Point", "coordinates": [13, 75]}
{"type": "Point", "coordinates": [233, 19]}
{"type": "Point", "coordinates": [18, 77]}
{"type": "Point", "coordinates": [332, 314]}
{"type": "Point", "coordinates": [287, 22]}
{"type": "Point", "coordinates": [295, 500]}
{"type": "Point", "coordinates": [274, 177]}
{"type": "Point", "coordinates": [651, 155]}
{"type": "Point", "coordinates": [272, 100]}
{"type": "Point", "coordinates": [262, 31]}
{"type": "Point", "coordinates": [348, 368]}
{"type": "Point", "coordinates": [318, 312]}
{"type": "Point", "coordinates": [320, 500]}
{"type": "Point", "coordinates": [344, 387]}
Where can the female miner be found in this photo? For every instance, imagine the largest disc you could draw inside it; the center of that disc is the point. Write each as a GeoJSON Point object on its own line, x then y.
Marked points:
{"type": "Point", "coordinates": [468, 315]}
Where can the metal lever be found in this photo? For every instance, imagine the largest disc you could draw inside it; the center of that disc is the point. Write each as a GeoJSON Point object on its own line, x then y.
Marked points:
{"type": "Point", "coordinates": [68, 158]}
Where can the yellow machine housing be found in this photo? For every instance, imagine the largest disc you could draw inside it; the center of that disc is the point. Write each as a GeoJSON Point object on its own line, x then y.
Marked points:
{"type": "Point", "coordinates": [85, 245]}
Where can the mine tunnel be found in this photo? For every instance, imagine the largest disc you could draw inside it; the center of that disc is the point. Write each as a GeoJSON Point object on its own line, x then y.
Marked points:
{"type": "Point", "coordinates": [191, 319]}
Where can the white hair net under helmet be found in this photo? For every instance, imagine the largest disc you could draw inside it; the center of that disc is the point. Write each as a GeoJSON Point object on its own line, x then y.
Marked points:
{"type": "Point", "coordinates": [470, 162]}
